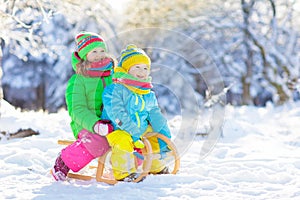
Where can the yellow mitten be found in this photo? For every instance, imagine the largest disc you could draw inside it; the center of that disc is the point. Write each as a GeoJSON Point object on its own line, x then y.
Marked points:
{"type": "Point", "coordinates": [139, 144]}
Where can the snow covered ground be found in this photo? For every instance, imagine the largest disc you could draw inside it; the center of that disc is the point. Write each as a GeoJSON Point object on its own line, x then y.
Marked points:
{"type": "Point", "coordinates": [257, 158]}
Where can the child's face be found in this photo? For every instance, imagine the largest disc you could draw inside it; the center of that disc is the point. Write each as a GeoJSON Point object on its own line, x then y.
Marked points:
{"type": "Point", "coordinates": [96, 55]}
{"type": "Point", "coordinates": [140, 71]}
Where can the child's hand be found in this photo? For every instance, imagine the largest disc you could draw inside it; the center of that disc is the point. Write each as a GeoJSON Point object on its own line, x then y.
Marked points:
{"type": "Point", "coordinates": [139, 144]}
{"type": "Point", "coordinates": [103, 127]}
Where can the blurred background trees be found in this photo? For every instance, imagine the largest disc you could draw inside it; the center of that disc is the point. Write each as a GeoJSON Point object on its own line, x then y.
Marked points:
{"type": "Point", "coordinates": [254, 44]}
{"type": "Point", "coordinates": [38, 38]}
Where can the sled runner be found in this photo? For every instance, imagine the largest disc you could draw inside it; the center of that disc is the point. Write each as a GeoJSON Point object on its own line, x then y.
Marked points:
{"type": "Point", "coordinates": [143, 161]}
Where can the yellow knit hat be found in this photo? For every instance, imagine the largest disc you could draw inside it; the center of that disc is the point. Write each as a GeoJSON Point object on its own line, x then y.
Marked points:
{"type": "Point", "coordinates": [133, 56]}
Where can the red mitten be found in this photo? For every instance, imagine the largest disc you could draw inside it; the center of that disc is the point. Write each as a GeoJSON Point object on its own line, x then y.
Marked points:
{"type": "Point", "coordinates": [103, 127]}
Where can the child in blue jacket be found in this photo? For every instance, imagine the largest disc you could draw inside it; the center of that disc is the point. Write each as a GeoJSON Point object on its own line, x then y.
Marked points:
{"type": "Point", "coordinates": [133, 110]}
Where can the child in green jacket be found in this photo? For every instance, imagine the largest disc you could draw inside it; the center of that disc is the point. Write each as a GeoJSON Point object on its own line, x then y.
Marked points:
{"type": "Point", "coordinates": [93, 67]}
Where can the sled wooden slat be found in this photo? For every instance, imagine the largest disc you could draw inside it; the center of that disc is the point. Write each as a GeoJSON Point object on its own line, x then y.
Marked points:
{"type": "Point", "coordinates": [100, 169]}
{"type": "Point", "coordinates": [108, 181]}
{"type": "Point", "coordinates": [65, 142]}
{"type": "Point", "coordinates": [80, 176]}
{"type": "Point", "coordinates": [88, 178]}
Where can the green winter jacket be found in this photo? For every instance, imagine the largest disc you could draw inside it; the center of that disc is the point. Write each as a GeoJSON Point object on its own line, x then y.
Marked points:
{"type": "Point", "coordinates": [84, 101]}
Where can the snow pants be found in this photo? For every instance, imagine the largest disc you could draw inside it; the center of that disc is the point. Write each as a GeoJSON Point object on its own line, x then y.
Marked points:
{"type": "Point", "coordinates": [87, 147]}
{"type": "Point", "coordinates": [122, 158]}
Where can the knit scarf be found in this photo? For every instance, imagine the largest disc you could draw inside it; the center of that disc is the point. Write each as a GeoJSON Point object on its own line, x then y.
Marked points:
{"type": "Point", "coordinates": [134, 84]}
{"type": "Point", "coordinates": [101, 68]}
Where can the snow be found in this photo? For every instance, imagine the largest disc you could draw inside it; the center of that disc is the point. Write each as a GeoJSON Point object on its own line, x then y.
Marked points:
{"type": "Point", "coordinates": [258, 157]}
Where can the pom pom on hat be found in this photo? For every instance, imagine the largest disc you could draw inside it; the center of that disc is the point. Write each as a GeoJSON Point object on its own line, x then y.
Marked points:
{"type": "Point", "coordinates": [133, 55]}
{"type": "Point", "coordinates": [131, 46]}
{"type": "Point", "coordinates": [86, 42]}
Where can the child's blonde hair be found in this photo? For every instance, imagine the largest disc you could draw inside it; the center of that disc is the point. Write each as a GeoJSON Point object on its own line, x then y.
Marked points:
{"type": "Point", "coordinates": [82, 67]}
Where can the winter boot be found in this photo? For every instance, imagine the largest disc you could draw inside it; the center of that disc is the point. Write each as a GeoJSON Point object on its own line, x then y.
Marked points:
{"type": "Point", "coordinates": [60, 169]}
{"type": "Point", "coordinates": [132, 177]}
{"type": "Point", "coordinates": [165, 170]}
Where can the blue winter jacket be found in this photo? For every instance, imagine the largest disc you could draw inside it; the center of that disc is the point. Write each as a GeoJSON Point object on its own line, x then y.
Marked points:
{"type": "Point", "coordinates": [133, 112]}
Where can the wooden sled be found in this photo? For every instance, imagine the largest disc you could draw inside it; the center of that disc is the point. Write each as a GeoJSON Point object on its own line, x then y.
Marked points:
{"type": "Point", "coordinates": [172, 155]}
